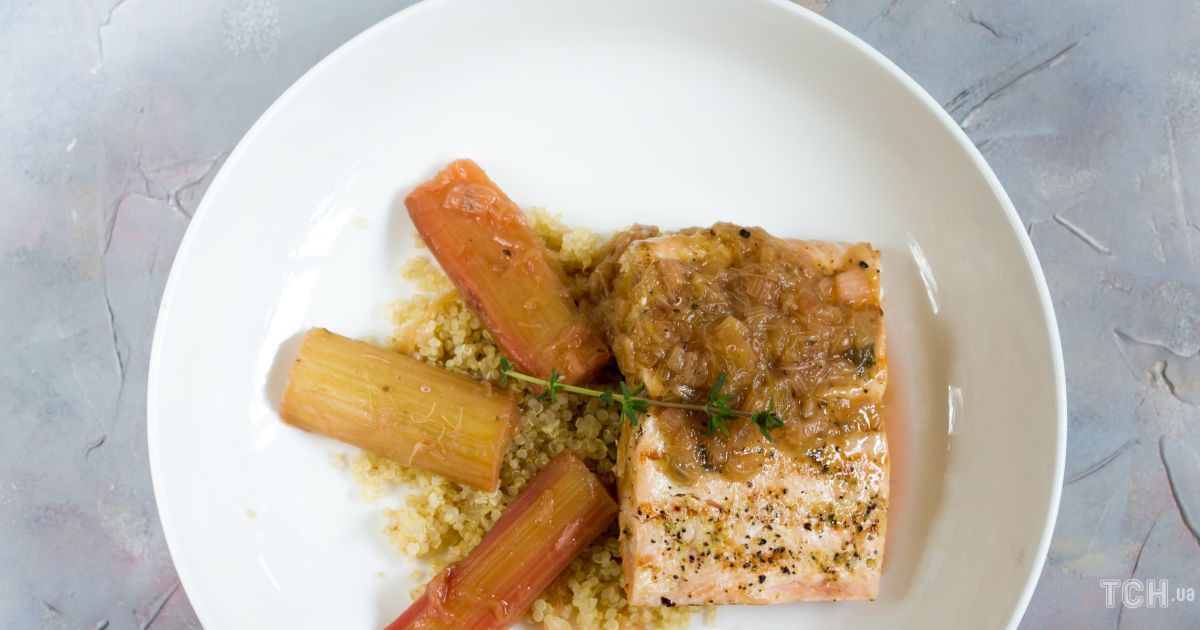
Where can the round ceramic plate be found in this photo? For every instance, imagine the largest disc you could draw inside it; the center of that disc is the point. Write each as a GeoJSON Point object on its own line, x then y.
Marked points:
{"type": "Point", "coordinates": [672, 112]}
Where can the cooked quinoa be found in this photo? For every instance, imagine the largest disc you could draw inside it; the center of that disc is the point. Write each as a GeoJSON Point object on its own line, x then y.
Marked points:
{"type": "Point", "coordinates": [440, 521]}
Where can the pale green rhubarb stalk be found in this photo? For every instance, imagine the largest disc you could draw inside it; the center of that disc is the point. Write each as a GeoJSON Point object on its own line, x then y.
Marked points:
{"type": "Point", "coordinates": [414, 413]}
{"type": "Point", "coordinates": [562, 510]}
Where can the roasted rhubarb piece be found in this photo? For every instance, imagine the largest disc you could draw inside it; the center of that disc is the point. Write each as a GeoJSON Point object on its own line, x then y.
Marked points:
{"type": "Point", "coordinates": [554, 518]}
{"type": "Point", "coordinates": [515, 285]}
{"type": "Point", "coordinates": [417, 414]}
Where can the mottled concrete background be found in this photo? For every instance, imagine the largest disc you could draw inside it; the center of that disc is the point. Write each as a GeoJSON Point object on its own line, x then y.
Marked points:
{"type": "Point", "coordinates": [114, 116]}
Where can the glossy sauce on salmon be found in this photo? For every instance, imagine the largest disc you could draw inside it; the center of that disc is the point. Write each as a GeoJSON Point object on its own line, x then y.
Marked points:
{"type": "Point", "coordinates": [735, 518]}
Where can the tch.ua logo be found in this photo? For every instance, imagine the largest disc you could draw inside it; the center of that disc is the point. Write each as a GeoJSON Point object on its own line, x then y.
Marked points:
{"type": "Point", "coordinates": [1136, 593]}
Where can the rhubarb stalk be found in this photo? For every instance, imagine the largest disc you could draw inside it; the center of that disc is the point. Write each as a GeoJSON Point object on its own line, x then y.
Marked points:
{"type": "Point", "coordinates": [562, 510]}
{"type": "Point", "coordinates": [504, 273]}
{"type": "Point", "coordinates": [417, 414]}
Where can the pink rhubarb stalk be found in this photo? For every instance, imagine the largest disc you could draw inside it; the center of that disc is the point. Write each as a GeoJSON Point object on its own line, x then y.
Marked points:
{"type": "Point", "coordinates": [504, 273]}
{"type": "Point", "coordinates": [562, 510]}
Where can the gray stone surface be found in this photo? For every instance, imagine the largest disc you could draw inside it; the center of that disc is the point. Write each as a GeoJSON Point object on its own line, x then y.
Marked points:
{"type": "Point", "coordinates": [114, 116]}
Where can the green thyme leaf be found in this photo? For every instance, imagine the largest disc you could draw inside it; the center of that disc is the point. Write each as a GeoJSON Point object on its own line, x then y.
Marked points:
{"type": "Point", "coordinates": [717, 387]}
{"type": "Point", "coordinates": [553, 386]}
{"type": "Point", "coordinates": [505, 366]}
{"type": "Point", "coordinates": [767, 421]}
{"type": "Point", "coordinates": [717, 423]}
{"type": "Point", "coordinates": [632, 407]}
{"type": "Point", "coordinates": [718, 407]}
{"type": "Point", "coordinates": [862, 358]}
{"type": "Point", "coordinates": [628, 412]}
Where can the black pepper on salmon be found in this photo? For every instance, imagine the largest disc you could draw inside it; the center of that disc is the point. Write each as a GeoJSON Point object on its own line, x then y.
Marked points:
{"type": "Point", "coordinates": [709, 517]}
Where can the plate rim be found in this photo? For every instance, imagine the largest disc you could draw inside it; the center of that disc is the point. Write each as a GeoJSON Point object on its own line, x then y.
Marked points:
{"type": "Point", "coordinates": [799, 12]}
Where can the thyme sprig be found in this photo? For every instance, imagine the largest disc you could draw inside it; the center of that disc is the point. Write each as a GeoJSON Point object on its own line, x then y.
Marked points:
{"type": "Point", "coordinates": [634, 404]}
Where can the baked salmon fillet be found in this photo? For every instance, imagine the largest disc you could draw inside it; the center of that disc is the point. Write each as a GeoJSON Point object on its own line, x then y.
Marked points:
{"type": "Point", "coordinates": [709, 517]}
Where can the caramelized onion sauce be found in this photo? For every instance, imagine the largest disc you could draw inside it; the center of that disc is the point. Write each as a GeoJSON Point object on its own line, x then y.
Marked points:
{"type": "Point", "coordinates": [796, 323]}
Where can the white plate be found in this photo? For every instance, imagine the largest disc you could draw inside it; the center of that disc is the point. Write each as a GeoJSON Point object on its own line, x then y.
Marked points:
{"type": "Point", "coordinates": [675, 112]}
